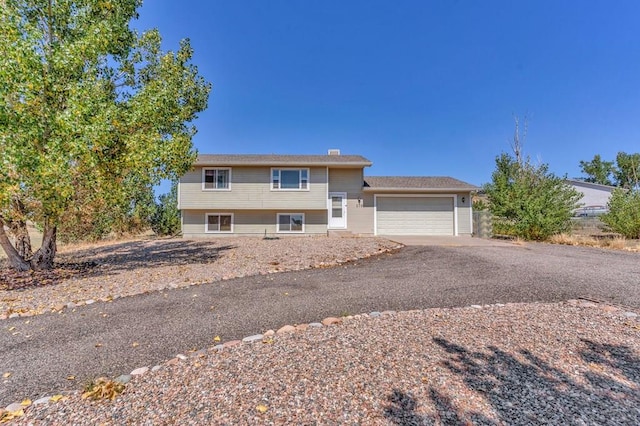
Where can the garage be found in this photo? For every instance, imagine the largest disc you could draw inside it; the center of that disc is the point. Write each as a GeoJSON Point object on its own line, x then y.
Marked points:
{"type": "Point", "coordinates": [417, 215]}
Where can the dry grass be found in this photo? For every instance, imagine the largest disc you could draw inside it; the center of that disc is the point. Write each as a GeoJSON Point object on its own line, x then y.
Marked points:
{"type": "Point", "coordinates": [36, 241]}
{"type": "Point", "coordinates": [614, 242]}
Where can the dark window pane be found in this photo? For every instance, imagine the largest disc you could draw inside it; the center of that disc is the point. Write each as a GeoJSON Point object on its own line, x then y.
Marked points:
{"type": "Point", "coordinates": [284, 222]}
{"type": "Point", "coordinates": [208, 178]}
{"type": "Point", "coordinates": [212, 223]}
{"type": "Point", "coordinates": [336, 207]}
{"type": "Point", "coordinates": [223, 179]}
{"type": "Point", "coordinates": [225, 223]}
{"type": "Point", "coordinates": [290, 179]}
{"type": "Point", "coordinates": [296, 222]}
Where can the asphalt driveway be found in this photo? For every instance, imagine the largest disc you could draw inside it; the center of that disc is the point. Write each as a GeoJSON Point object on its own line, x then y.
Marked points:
{"type": "Point", "coordinates": [114, 338]}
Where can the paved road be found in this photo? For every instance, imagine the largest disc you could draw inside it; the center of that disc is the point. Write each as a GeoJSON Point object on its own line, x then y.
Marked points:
{"type": "Point", "coordinates": [99, 339]}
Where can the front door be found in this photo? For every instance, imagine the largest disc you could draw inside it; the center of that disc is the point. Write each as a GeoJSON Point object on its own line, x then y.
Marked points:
{"type": "Point", "coordinates": [337, 210]}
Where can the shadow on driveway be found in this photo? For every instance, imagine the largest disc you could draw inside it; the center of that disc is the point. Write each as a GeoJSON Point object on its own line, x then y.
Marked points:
{"type": "Point", "coordinates": [523, 389]}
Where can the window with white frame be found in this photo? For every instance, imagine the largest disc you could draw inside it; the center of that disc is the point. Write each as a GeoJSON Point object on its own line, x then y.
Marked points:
{"type": "Point", "coordinates": [219, 222]}
{"type": "Point", "coordinates": [290, 179]}
{"type": "Point", "coordinates": [216, 179]}
{"type": "Point", "coordinates": [290, 222]}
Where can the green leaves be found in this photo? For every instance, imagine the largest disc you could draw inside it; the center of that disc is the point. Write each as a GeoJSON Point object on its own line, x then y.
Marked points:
{"type": "Point", "coordinates": [598, 171]}
{"type": "Point", "coordinates": [624, 173]}
{"type": "Point", "coordinates": [528, 201]}
{"type": "Point", "coordinates": [90, 110]}
{"type": "Point", "coordinates": [624, 213]}
{"type": "Point", "coordinates": [166, 217]}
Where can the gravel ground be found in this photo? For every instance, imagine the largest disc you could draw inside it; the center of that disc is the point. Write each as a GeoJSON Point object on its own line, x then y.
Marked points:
{"type": "Point", "coordinates": [560, 363]}
{"type": "Point", "coordinates": [136, 267]}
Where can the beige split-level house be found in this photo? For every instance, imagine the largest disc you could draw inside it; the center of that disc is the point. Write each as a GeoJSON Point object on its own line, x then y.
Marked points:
{"type": "Point", "coordinates": [316, 194]}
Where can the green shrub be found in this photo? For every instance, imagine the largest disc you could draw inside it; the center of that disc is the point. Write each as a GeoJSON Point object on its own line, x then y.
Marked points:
{"type": "Point", "coordinates": [528, 201]}
{"type": "Point", "coordinates": [624, 213]}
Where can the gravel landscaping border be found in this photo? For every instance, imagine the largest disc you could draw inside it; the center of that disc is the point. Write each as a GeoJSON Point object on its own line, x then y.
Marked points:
{"type": "Point", "coordinates": [109, 271]}
{"type": "Point", "coordinates": [576, 362]}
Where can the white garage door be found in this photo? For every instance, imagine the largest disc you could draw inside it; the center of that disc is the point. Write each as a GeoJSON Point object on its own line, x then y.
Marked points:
{"type": "Point", "coordinates": [415, 216]}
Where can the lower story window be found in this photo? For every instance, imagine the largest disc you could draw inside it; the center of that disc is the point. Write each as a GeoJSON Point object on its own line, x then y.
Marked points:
{"type": "Point", "coordinates": [219, 222]}
{"type": "Point", "coordinates": [290, 222]}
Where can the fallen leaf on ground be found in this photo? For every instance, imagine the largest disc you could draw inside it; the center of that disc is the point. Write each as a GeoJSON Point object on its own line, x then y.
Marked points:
{"type": "Point", "coordinates": [26, 402]}
{"type": "Point", "coordinates": [6, 416]}
{"type": "Point", "coordinates": [262, 408]}
{"type": "Point", "coordinates": [216, 339]}
{"type": "Point", "coordinates": [103, 388]}
{"type": "Point", "coordinates": [71, 377]}
{"type": "Point", "coordinates": [135, 344]}
{"type": "Point", "coordinates": [56, 398]}
{"type": "Point", "coordinates": [6, 375]}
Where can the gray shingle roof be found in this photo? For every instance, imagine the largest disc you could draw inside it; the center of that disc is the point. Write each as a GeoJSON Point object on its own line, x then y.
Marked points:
{"type": "Point", "coordinates": [582, 183]}
{"type": "Point", "coordinates": [280, 160]}
{"type": "Point", "coordinates": [417, 182]}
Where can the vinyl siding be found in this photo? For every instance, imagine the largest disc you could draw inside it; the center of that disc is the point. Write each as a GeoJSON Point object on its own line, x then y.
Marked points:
{"type": "Point", "coordinates": [251, 190]}
{"type": "Point", "coordinates": [251, 222]}
{"type": "Point", "coordinates": [464, 214]}
{"type": "Point", "coordinates": [359, 216]}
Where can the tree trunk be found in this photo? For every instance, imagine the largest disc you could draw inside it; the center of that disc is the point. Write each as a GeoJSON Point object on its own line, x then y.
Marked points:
{"type": "Point", "coordinates": [16, 261]}
{"type": "Point", "coordinates": [43, 258]}
{"type": "Point", "coordinates": [22, 240]}
{"type": "Point", "coordinates": [18, 227]}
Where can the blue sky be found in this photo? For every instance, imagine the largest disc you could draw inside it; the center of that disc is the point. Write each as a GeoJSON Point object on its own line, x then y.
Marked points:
{"type": "Point", "coordinates": [418, 87]}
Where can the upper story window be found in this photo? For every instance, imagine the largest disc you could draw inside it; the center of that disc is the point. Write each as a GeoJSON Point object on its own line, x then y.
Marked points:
{"type": "Point", "coordinates": [290, 179]}
{"type": "Point", "coordinates": [216, 179]}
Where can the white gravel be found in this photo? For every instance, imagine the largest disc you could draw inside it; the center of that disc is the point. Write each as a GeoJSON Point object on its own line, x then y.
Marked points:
{"type": "Point", "coordinates": [517, 364]}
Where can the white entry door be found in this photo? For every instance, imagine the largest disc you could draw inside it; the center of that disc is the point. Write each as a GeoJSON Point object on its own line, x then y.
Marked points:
{"type": "Point", "coordinates": [337, 206]}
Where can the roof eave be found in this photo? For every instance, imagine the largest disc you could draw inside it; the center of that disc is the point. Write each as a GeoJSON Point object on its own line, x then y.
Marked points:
{"type": "Point", "coordinates": [442, 190]}
{"type": "Point", "coordinates": [280, 164]}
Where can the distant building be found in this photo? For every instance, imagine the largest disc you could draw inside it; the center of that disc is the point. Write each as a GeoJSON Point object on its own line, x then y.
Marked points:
{"type": "Point", "coordinates": [593, 194]}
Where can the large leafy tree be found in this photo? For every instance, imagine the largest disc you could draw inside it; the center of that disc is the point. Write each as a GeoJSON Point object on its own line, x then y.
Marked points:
{"type": "Point", "coordinates": [86, 106]}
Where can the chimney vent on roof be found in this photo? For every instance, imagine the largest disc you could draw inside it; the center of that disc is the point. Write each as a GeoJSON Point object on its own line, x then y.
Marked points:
{"type": "Point", "coordinates": [334, 152]}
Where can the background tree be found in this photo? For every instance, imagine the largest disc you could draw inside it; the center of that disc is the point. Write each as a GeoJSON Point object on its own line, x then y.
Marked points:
{"type": "Point", "coordinates": [628, 170]}
{"type": "Point", "coordinates": [166, 218]}
{"type": "Point", "coordinates": [91, 218]}
{"type": "Point", "coordinates": [86, 106]}
{"type": "Point", "coordinates": [598, 171]}
{"type": "Point", "coordinates": [528, 201]}
{"type": "Point", "coordinates": [624, 172]}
